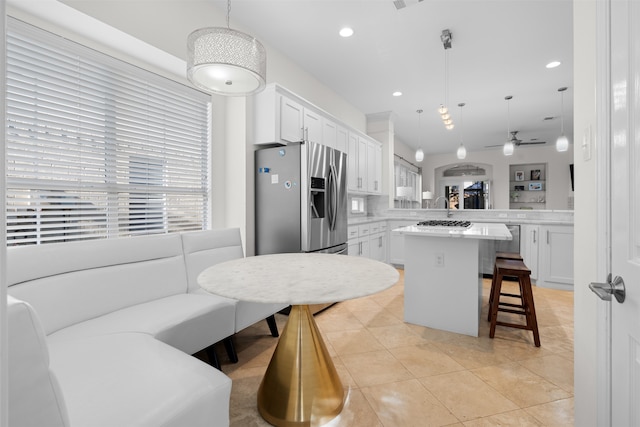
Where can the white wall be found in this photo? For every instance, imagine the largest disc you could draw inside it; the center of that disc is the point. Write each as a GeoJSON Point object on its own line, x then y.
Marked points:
{"type": "Point", "coordinates": [585, 217]}
{"type": "Point", "coordinates": [558, 176]}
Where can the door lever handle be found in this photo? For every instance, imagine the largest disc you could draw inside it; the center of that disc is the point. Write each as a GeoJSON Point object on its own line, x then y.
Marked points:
{"type": "Point", "coordinates": [605, 290]}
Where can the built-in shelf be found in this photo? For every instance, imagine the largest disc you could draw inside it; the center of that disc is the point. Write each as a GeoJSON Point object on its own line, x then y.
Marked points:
{"type": "Point", "coordinates": [527, 186]}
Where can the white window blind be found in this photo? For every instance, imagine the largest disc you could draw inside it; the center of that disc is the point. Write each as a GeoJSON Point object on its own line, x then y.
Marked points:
{"type": "Point", "coordinates": [97, 147]}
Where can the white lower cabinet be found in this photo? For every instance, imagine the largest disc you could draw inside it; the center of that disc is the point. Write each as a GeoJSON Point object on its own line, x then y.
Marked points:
{"type": "Point", "coordinates": [396, 241]}
{"type": "Point", "coordinates": [368, 240]}
{"type": "Point", "coordinates": [529, 247]}
{"type": "Point", "coordinates": [556, 257]}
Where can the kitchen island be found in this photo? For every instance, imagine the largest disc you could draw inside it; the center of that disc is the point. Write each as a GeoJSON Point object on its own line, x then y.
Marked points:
{"type": "Point", "coordinates": [442, 279]}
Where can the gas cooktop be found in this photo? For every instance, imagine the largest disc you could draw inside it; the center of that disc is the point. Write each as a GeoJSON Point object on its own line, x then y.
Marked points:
{"type": "Point", "coordinates": [444, 223]}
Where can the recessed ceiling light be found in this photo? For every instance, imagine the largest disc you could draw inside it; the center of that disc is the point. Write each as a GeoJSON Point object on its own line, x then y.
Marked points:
{"type": "Point", "coordinates": [346, 32]}
{"type": "Point", "coordinates": [397, 93]}
{"type": "Point", "coordinates": [553, 64]}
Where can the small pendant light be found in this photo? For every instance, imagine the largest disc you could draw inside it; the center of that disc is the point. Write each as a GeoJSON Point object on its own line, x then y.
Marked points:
{"type": "Point", "coordinates": [508, 147]}
{"type": "Point", "coordinates": [419, 152]}
{"type": "Point", "coordinates": [462, 152]}
{"type": "Point", "coordinates": [562, 143]}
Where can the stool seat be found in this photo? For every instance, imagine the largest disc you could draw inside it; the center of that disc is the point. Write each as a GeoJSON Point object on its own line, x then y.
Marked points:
{"type": "Point", "coordinates": [513, 268]}
{"type": "Point", "coordinates": [508, 255]}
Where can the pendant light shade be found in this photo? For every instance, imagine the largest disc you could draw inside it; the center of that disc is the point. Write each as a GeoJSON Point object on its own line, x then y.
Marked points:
{"type": "Point", "coordinates": [462, 152]}
{"type": "Point", "coordinates": [419, 152]}
{"type": "Point", "coordinates": [507, 149]}
{"type": "Point", "coordinates": [225, 61]}
{"type": "Point", "coordinates": [562, 143]}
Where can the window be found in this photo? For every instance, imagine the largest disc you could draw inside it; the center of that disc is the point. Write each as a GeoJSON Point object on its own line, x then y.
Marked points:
{"type": "Point", "coordinates": [97, 147]}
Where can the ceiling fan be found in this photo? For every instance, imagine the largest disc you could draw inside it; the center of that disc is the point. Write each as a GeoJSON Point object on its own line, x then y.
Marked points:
{"type": "Point", "coordinates": [517, 142]}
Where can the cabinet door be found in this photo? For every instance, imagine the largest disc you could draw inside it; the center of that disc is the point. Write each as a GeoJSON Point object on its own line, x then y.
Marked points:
{"type": "Point", "coordinates": [396, 242]}
{"type": "Point", "coordinates": [377, 162]}
{"type": "Point", "coordinates": [352, 163]}
{"type": "Point", "coordinates": [365, 248]}
{"type": "Point", "coordinates": [353, 247]}
{"type": "Point", "coordinates": [557, 257]}
{"type": "Point", "coordinates": [529, 243]}
{"type": "Point", "coordinates": [342, 136]}
{"type": "Point", "coordinates": [291, 120]}
{"type": "Point", "coordinates": [362, 164]}
{"type": "Point", "coordinates": [329, 133]}
{"type": "Point", "coordinates": [372, 185]}
{"type": "Point", "coordinates": [312, 126]}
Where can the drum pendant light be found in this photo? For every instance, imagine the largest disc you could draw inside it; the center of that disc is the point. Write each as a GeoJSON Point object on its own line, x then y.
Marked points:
{"type": "Point", "coordinates": [225, 61]}
{"type": "Point", "coordinates": [562, 144]}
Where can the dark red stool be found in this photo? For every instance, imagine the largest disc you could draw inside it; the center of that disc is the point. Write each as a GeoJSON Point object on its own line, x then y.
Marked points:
{"type": "Point", "coordinates": [513, 268]}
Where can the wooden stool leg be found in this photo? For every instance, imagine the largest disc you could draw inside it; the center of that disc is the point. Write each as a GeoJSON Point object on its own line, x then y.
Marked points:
{"type": "Point", "coordinates": [530, 309]}
{"type": "Point", "coordinates": [492, 292]}
{"type": "Point", "coordinates": [493, 309]}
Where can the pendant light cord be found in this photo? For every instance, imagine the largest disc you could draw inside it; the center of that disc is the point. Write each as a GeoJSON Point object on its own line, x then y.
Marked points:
{"type": "Point", "coordinates": [228, 13]}
{"type": "Point", "coordinates": [561, 112]}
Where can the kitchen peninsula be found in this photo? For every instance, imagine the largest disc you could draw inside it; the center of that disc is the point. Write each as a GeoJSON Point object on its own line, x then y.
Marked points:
{"type": "Point", "coordinates": [443, 283]}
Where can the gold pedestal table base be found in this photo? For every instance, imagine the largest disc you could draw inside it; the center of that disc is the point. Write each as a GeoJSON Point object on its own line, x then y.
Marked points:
{"type": "Point", "coordinates": [301, 386]}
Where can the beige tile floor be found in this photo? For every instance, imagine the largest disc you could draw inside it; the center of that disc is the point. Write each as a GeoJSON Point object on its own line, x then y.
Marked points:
{"type": "Point", "coordinates": [397, 374]}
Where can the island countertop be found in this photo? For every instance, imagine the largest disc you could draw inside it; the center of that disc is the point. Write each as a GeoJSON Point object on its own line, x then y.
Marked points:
{"type": "Point", "coordinates": [477, 230]}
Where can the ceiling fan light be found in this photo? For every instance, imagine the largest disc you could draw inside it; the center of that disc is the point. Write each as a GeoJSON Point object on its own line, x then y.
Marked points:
{"type": "Point", "coordinates": [507, 149]}
{"type": "Point", "coordinates": [462, 152]}
{"type": "Point", "coordinates": [562, 143]}
{"type": "Point", "coordinates": [419, 155]}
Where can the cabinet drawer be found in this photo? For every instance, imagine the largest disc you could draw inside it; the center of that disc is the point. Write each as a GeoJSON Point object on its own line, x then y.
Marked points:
{"type": "Point", "coordinates": [375, 228]}
{"type": "Point", "coordinates": [364, 230]}
{"type": "Point", "coordinates": [352, 232]}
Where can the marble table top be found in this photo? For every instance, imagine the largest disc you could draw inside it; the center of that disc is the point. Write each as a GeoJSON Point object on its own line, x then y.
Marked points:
{"type": "Point", "coordinates": [298, 278]}
{"type": "Point", "coordinates": [478, 230]}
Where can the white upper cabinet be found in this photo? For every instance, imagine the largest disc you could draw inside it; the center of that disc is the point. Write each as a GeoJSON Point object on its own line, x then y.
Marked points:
{"type": "Point", "coordinates": [291, 120]}
{"type": "Point", "coordinates": [342, 136]}
{"type": "Point", "coordinates": [329, 133]}
{"type": "Point", "coordinates": [353, 180]}
{"type": "Point", "coordinates": [281, 117]}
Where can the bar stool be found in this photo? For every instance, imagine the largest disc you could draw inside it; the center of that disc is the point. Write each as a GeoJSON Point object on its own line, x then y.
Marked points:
{"type": "Point", "coordinates": [502, 255]}
{"type": "Point", "coordinates": [516, 268]}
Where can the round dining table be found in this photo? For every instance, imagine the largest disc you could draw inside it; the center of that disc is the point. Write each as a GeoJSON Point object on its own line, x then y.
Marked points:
{"type": "Point", "coordinates": [301, 386]}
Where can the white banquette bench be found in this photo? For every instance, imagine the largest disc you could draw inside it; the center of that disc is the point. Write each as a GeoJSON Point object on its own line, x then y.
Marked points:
{"type": "Point", "coordinates": [101, 331]}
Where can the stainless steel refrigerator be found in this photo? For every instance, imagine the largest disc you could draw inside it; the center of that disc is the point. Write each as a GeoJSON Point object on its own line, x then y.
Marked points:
{"type": "Point", "coordinates": [301, 199]}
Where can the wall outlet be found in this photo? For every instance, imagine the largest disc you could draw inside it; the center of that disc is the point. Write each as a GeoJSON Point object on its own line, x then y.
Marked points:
{"type": "Point", "coordinates": [413, 213]}
{"type": "Point", "coordinates": [522, 215]}
{"type": "Point", "coordinates": [439, 260]}
{"type": "Point", "coordinates": [502, 215]}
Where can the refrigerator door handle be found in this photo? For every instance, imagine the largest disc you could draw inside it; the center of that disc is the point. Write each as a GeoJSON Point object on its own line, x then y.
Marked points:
{"type": "Point", "coordinates": [329, 195]}
{"type": "Point", "coordinates": [334, 197]}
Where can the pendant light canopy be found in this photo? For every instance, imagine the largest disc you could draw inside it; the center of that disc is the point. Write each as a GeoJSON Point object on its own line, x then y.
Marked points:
{"type": "Point", "coordinates": [562, 143]}
{"type": "Point", "coordinates": [508, 147]}
{"type": "Point", "coordinates": [225, 61]}
{"type": "Point", "coordinates": [419, 152]}
{"type": "Point", "coordinates": [462, 152]}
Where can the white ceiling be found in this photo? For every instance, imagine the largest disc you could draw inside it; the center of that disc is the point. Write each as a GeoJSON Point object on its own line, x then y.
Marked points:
{"type": "Point", "coordinates": [500, 48]}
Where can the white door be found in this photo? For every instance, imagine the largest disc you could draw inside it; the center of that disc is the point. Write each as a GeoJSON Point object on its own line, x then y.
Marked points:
{"type": "Point", "coordinates": [625, 210]}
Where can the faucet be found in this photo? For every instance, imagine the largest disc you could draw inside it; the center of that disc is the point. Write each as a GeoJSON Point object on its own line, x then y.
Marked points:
{"type": "Point", "coordinates": [446, 204]}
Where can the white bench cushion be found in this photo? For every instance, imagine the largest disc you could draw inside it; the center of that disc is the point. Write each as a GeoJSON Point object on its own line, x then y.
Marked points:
{"type": "Point", "coordinates": [132, 379]}
{"type": "Point", "coordinates": [188, 322]}
{"type": "Point", "coordinates": [203, 249]}
{"type": "Point", "coordinates": [35, 399]}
